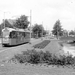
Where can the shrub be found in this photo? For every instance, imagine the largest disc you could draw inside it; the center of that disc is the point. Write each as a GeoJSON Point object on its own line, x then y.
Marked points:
{"type": "Point", "coordinates": [22, 58]}
{"type": "Point", "coordinates": [48, 57]}
{"type": "Point", "coordinates": [34, 57]}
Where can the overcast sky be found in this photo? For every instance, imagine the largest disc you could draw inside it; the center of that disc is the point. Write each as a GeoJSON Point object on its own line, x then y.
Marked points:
{"type": "Point", "coordinates": [46, 11]}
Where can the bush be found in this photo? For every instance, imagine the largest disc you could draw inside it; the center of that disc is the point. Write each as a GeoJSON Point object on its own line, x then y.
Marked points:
{"type": "Point", "coordinates": [22, 58]}
{"type": "Point", "coordinates": [48, 57]}
{"type": "Point", "coordinates": [34, 57]}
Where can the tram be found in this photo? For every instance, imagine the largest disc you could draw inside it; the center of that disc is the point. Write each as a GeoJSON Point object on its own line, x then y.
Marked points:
{"type": "Point", "coordinates": [12, 36]}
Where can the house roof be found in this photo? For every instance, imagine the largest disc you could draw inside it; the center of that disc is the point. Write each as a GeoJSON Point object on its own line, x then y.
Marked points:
{"type": "Point", "coordinates": [16, 29]}
{"type": "Point", "coordinates": [11, 21]}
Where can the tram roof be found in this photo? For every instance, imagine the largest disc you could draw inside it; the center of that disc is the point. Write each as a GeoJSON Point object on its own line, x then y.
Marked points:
{"type": "Point", "coordinates": [15, 29]}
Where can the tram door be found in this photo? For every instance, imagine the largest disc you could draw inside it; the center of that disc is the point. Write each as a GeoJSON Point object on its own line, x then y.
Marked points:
{"type": "Point", "coordinates": [19, 37]}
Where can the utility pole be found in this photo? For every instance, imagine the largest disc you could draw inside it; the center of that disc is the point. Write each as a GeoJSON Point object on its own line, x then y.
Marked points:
{"type": "Point", "coordinates": [57, 33]}
{"type": "Point", "coordinates": [2, 28]}
{"type": "Point", "coordinates": [4, 19]}
{"type": "Point", "coordinates": [4, 25]}
{"type": "Point", "coordinates": [42, 31]}
{"type": "Point", "coordinates": [30, 24]}
{"type": "Point", "coordinates": [46, 30]}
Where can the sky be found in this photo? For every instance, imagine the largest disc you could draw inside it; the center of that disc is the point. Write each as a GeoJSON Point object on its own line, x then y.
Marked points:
{"type": "Point", "coordinates": [43, 11]}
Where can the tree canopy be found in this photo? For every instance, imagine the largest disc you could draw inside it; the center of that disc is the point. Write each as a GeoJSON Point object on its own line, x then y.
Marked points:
{"type": "Point", "coordinates": [22, 22]}
{"type": "Point", "coordinates": [57, 29]}
{"type": "Point", "coordinates": [38, 30]}
{"type": "Point", "coordinates": [65, 32]}
{"type": "Point", "coordinates": [72, 32]}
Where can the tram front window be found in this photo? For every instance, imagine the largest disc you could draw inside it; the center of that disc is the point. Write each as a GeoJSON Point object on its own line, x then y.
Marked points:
{"type": "Point", "coordinates": [5, 35]}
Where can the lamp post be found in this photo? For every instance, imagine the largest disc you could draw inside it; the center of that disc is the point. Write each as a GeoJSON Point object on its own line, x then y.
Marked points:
{"type": "Point", "coordinates": [3, 24]}
{"type": "Point", "coordinates": [4, 17]}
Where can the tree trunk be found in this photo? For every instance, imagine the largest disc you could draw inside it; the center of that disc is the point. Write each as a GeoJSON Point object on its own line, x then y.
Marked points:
{"type": "Point", "coordinates": [37, 34]}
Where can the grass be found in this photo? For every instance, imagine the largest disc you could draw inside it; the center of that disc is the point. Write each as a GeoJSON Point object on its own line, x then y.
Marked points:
{"type": "Point", "coordinates": [22, 69]}
{"type": "Point", "coordinates": [35, 67]}
{"type": "Point", "coordinates": [66, 38]}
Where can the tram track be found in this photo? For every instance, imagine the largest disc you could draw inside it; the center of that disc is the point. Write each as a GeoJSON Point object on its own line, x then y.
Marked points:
{"type": "Point", "coordinates": [4, 49]}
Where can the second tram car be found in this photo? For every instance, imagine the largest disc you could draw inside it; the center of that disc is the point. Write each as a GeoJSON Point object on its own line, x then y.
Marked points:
{"type": "Point", "coordinates": [12, 36]}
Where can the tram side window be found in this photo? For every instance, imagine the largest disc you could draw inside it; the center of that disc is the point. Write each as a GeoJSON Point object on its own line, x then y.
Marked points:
{"type": "Point", "coordinates": [13, 34]}
{"type": "Point", "coordinates": [27, 34]}
{"type": "Point", "coordinates": [24, 34]}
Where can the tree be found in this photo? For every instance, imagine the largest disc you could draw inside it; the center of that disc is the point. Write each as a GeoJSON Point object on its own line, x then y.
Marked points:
{"type": "Point", "coordinates": [38, 30]}
{"type": "Point", "coordinates": [65, 33]}
{"type": "Point", "coordinates": [22, 22]}
{"type": "Point", "coordinates": [72, 32]}
{"type": "Point", "coordinates": [57, 29]}
{"type": "Point", "coordinates": [44, 32]}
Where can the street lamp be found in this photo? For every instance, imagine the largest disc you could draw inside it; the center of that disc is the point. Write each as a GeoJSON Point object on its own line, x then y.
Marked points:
{"type": "Point", "coordinates": [4, 16]}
